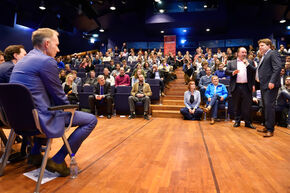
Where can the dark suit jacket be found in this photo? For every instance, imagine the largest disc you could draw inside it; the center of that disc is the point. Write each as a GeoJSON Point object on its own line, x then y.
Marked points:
{"type": "Point", "coordinates": [107, 89]}
{"type": "Point", "coordinates": [269, 70]}
{"type": "Point", "coordinates": [5, 71]}
{"type": "Point", "coordinates": [232, 66]}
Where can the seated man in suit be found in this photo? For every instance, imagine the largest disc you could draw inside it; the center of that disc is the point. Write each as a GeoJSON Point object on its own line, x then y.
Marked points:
{"type": "Point", "coordinates": [102, 96]}
{"type": "Point", "coordinates": [215, 93]}
{"type": "Point", "coordinates": [140, 92]}
{"type": "Point", "coordinates": [39, 73]}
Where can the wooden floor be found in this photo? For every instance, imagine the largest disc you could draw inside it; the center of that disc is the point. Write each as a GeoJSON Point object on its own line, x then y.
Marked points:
{"type": "Point", "coordinates": [169, 155]}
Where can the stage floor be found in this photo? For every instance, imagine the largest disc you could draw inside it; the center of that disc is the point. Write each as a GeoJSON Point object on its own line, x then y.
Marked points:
{"type": "Point", "coordinates": [169, 155]}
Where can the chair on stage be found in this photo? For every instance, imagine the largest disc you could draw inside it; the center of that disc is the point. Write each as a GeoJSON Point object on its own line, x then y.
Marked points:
{"type": "Point", "coordinates": [22, 116]}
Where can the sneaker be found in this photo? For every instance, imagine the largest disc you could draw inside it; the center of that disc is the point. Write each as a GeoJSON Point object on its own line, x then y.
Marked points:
{"type": "Point", "coordinates": [61, 168]}
{"type": "Point", "coordinates": [146, 117]}
{"type": "Point", "coordinates": [132, 116]}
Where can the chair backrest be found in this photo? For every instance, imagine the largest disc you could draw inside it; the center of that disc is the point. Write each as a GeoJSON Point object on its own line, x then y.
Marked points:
{"type": "Point", "coordinates": [17, 104]}
{"type": "Point", "coordinates": [81, 74]}
{"type": "Point", "coordinates": [88, 89]}
{"type": "Point", "coordinates": [153, 81]}
{"type": "Point", "coordinates": [123, 89]}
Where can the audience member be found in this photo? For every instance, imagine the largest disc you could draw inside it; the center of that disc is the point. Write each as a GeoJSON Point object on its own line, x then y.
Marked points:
{"type": "Point", "coordinates": [283, 104]}
{"type": "Point", "coordinates": [12, 55]}
{"type": "Point", "coordinates": [70, 89]}
{"type": "Point", "coordinates": [215, 93]}
{"type": "Point", "coordinates": [140, 92]}
{"type": "Point", "coordinates": [102, 96]}
{"type": "Point", "coordinates": [1, 57]}
{"type": "Point", "coordinates": [110, 79]}
{"type": "Point", "coordinates": [221, 73]}
{"type": "Point", "coordinates": [123, 79]}
{"type": "Point", "coordinates": [77, 80]}
{"type": "Point", "coordinates": [191, 111]}
{"type": "Point", "coordinates": [204, 82]}
{"type": "Point", "coordinates": [116, 71]}
{"type": "Point", "coordinates": [91, 81]}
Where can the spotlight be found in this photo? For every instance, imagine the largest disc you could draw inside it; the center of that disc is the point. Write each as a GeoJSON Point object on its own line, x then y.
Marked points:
{"type": "Point", "coordinates": [162, 32]}
{"type": "Point", "coordinates": [205, 6]}
{"type": "Point", "coordinates": [158, 1]}
{"type": "Point", "coordinates": [184, 30]}
{"type": "Point", "coordinates": [92, 40]}
{"type": "Point", "coordinates": [207, 30]}
{"type": "Point", "coordinates": [161, 10]}
{"type": "Point", "coordinates": [101, 30]}
{"type": "Point", "coordinates": [282, 20]}
{"type": "Point", "coordinates": [185, 7]}
{"type": "Point", "coordinates": [95, 35]}
{"type": "Point", "coordinates": [113, 8]}
{"type": "Point", "coordinates": [182, 41]}
{"type": "Point", "coordinates": [42, 6]}
{"type": "Point", "coordinates": [288, 27]}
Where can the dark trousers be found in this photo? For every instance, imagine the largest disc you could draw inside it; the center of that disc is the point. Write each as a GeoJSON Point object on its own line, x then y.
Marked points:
{"type": "Point", "coordinates": [188, 116]}
{"type": "Point", "coordinates": [145, 100]}
{"type": "Point", "coordinates": [214, 103]}
{"type": "Point", "coordinates": [242, 98]}
{"type": "Point", "coordinates": [269, 99]}
{"type": "Point", "coordinates": [96, 104]}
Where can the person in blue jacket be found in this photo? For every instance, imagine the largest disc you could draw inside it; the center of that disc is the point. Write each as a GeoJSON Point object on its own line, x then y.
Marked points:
{"type": "Point", "coordinates": [39, 73]}
{"type": "Point", "coordinates": [215, 93]}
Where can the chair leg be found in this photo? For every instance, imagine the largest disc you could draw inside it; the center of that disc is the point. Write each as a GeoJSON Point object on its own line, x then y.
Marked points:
{"type": "Point", "coordinates": [7, 152]}
{"type": "Point", "coordinates": [204, 116]}
{"type": "Point", "coordinates": [43, 165]}
{"type": "Point", "coordinates": [67, 145]}
{"type": "Point", "coordinates": [3, 136]}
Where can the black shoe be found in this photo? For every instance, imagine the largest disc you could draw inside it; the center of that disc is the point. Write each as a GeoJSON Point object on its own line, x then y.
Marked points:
{"type": "Point", "coordinates": [263, 130]}
{"type": "Point", "coordinates": [16, 157]}
{"type": "Point", "coordinates": [236, 124]}
{"type": "Point", "coordinates": [250, 125]}
{"type": "Point", "coordinates": [132, 116]}
{"type": "Point", "coordinates": [35, 160]}
{"type": "Point", "coordinates": [146, 117]}
{"type": "Point", "coordinates": [109, 116]}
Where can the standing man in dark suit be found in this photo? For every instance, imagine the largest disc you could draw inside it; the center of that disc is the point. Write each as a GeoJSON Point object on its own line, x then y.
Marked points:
{"type": "Point", "coordinates": [102, 96]}
{"type": "Point", "coordinates": [242, 72]}
{"type": "Point", "coordinates": [268, 75]}
{"type": "Point", "coordinates": [12, 55]}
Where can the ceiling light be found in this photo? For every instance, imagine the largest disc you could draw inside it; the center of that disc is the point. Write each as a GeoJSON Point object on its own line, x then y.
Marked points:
{"type": "Point", "coordinates": [92, 40]}
{"type": "Point", "coordinates": [282, 20]}
{"type": "Point", "coordinates": [185, 7]}
{"type": "Point", "coordinates": [288, 27]}
{"type": "Point", "coordinates": [182, 41]}
{"type": "Point", "coordinates": [162, 32]}
{"type": "Point", "coordinates": [205, 6]}
{"type": "Point", "coordinates": [101, 30]}
{"type": "Point", "coordinates": [161, 10]}
{"type": "Point", "coordinates": [42, 6]}
{"type": "Point", "coordinates": [113, 8]}
{"type": "Point", "coordinates": [207, 30]}
{"type": "Point", "coordinates": [95, 35]}
{"type": "Point", "coordinates": [184, 30]}
{"type": "Point", "coordinates": [158, 1]}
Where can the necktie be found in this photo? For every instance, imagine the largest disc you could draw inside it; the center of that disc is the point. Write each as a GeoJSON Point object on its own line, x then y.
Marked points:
{"type": "Point", "coordinates": [102, 90]}
{"type": "Point", "coordinates": [191, 99]}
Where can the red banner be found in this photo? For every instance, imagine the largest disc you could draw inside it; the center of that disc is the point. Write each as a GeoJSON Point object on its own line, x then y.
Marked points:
{"type": "Point", "coordinates": [170, 44]}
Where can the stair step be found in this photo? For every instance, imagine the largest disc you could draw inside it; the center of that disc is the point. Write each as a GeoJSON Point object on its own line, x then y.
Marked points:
{"type": "Point", "coordinates": [167, 114]}
{"type": "Point", "coordinates": [173, 97]}
{"type": "Point", "coordinates": [175, 92]}
{"type": "Point", "coordinates": [167, 107]}
{"type": "Point", "coordinates": [172, 102]}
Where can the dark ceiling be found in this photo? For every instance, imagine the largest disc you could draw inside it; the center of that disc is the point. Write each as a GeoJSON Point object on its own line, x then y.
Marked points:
{"type": "Point", "coordinates": [141, 17]}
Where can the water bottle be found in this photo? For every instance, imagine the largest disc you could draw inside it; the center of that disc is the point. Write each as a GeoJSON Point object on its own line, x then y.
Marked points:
{"type": "Point", "coordinates": [73, 167]}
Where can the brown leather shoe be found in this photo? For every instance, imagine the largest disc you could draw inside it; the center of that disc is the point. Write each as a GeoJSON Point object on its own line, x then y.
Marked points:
{"type": "Point", "coordinates": [62, 168]}
{"type": "Point", "coordinates": [269, 134]}
{"type": "Point", "coordinates": [212, 121]}
{"type": "Point", "coordinates": [205, 109]}
{"type": "Point", "coordinates": [263, 130]}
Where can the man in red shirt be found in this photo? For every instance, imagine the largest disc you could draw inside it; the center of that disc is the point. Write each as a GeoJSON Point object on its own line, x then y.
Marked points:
{"type": "Point", "coordinates": [123, 79]}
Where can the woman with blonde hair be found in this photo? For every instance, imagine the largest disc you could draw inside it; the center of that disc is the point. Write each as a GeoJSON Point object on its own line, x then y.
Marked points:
{"type": "Point", "coordinates": [191, 111]}
{"type": "Point", "coordinates": [70, 89]}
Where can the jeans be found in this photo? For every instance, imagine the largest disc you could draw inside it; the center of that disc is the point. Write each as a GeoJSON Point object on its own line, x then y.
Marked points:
{"type": "Point", "coordinates": [188, 116]}
{"type": "Point", "coordinates": [214, 103]}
